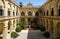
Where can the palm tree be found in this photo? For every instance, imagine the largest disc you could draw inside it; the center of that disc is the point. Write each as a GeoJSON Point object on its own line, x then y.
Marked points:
{"type": "Point", "coordinates": [20, 4]}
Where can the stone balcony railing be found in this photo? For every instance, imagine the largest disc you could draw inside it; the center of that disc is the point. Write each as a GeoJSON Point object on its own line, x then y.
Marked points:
{"type": "Point", "coordinates": [2, 18]}
{"type": "Point", "coordinates": [52, 17]}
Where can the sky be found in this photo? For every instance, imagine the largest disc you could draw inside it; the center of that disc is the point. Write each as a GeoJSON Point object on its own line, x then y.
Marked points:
{"type": "Point", "coordinates": [34, 2]}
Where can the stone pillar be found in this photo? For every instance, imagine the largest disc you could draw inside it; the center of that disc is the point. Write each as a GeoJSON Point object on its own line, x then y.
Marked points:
{"type": "Point", "coordinates": [15, 11]}
{"type": "Point", "coordinates": [11, 10]}
{"type": "Point", "coordinates": [11, 27]}
{"type": "Point", "coordinates": [5, 11]}
{"type": "Point", "coordinates": [56, 10]}
{"type": "Point", "coordinates": [54, 30]}
{"type": "Point", "coordinates": [33, 13]}
{"type": "Point", "coordinates": [49, 25]}
{"type": "Point", "coordinates": [15, 24]}
{"type": "Point", "coordinates": [26, 14]}
{"type": "Point", "coordinates": [5, 31]}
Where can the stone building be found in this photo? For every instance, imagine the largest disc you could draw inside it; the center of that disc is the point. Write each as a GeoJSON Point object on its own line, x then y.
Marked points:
{"type": "Point", "coordinates": [9, 16]}
{"type": "Point", "coordinates": [51, 17]}
{"type": "Point", "coordinates": [28, 12]}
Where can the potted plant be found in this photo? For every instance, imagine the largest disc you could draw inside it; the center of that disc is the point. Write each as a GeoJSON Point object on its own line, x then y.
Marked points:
{"type": "Point", "coordinates": [46, 34]}
{"type": "Point", "coordinates": [14, 35]}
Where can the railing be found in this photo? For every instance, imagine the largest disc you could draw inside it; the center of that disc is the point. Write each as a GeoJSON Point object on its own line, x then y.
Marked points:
{"type": "Point", "coordinates": [8, 17]}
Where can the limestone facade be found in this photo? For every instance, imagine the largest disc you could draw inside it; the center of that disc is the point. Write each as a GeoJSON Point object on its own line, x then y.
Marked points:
{"type": "Point", "coordinates": [9, 16]}
{"type": "Point", "coordinates": [51, 17]}
{"type": "Point", "coordinates": [28, 12]}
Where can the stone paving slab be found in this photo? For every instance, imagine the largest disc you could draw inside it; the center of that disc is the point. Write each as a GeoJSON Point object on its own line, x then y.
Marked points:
{"type": "Point", "coordinates": [31, 34]}
{"type": "Point", "coordinates": [23, 34]}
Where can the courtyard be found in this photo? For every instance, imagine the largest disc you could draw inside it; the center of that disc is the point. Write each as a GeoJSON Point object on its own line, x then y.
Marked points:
{"type": "Point", "coordinates": [29, 19]}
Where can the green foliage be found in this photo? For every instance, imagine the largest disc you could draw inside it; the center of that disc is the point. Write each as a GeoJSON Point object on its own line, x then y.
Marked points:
{"type": "Point", "coordinates": [40, 10]}
{"type": "Point", "coordinates": [20, 3]}
{"type": "Point", "coordinates": [18, 29]}
{"type": "Point", "coordinates": [46, 34]}
{"type": "Point", "coordinates": [14, 35]}
{"type": "Point", "coordinates": [42, 28]}
{"type": "Point", "coordinates": [22, 24]}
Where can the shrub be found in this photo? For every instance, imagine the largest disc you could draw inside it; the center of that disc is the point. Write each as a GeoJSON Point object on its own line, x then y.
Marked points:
{"type": "Point", "coordinates": [46, 34]}
{"type": "Point", "coordinates": [42, 28]}
{"type": "Point", "coordinates": [18, 29]}
{"type": "Point", "coordinates": [14, 35]}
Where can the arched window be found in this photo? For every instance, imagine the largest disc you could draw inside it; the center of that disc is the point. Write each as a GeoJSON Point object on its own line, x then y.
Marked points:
{"type": "Point", "coordinates": [59, 11]}
{"type": "Point", "coordinates": [44, 13]}
{"type": "Point", "coordinates": [1, 11]}
{"type": "Point", "coordinates": [8, 12]}
{"type": "Point", "coordinates": [29, 14]}
{"type": "Point", "coordinates": [36, 14]}
{"type": "Point", "coordinates": [52, 12]}
{"type": "Point", "coordinates": [13, 13]}
{"type": "Point", "coordinates": [47, 13]}
{"type": "Point", "coordinates": [22, 14]}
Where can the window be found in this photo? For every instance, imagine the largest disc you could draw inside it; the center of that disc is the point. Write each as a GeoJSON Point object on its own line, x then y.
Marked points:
{"type": "Point", "coordinates": [59, 11]}
{"type": "Point", "coordinates": [52, 12]}
{"type": "Point", "coordinates": [16, 14]}
{"type": "Point", "coordinates": [8, 13]}
{"type": "Point", "coordinates": [44, 13]}
{"type": "Point", "coordinates": [47, 13]}
{"type": "Point", "coordinates": [22, 14]}
{"type": "Point", "coordinates": [13, 13]}
{"type": "Point", "coordinates": [36, 14]}
{"type": "Point", "coordinates": [29, 14]}
{"type": "Point", "coordinates": [1, 12]}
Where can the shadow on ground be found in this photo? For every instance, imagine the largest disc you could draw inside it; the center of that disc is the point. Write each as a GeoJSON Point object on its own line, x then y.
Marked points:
{"type": "Point", "coordinates": [36, 34]}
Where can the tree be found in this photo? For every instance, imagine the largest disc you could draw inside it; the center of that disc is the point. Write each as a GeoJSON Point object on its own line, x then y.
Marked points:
{"type": "Point", "coordinates": [20, 4]}
{"type": "Point", "coordinates": [40, 10]}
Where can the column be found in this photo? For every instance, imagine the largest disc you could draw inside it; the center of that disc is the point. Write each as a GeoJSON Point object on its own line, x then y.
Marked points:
{"type": "Point", "coordinates": [5, 11]}
{"type": "Point", "coordinates": [54, 30]}
{"type": "Point", "coordinates": [26, 13]}
{"type": "Point", "coordinates": [56, 10]}
{"type": "Point", "coordinates": [5, 31]}
{"type": "Point", "coordinates": [11, 13]}
{"type": "Point", "coordinates": [11, 27]}
{"type": "Point", "coordinates": [33, 13]}
{"type": "Point", "coordinates": [49, 25]}
{"type": "Point", "coordinates": [15, 24]}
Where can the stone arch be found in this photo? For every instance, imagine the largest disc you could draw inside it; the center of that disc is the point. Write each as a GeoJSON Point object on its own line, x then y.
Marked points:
{"type": "Point", "coordinates": [58, 30]}
{"type": "Point", "coordinates": [13, 22]}
{"type": "Point", "coordinates": [9, 8]}
{"type": "Point", "coordinates": [37, 14]}
{"type": "Point", "coordinates": [1, 4]}
{"type": "Point", "coordinates": [1, 7]}
{"type": "Point", "coordinates": [22, 13]}
{"type": "Point", "coordinates": [9, 24]}
{"type": "Point", "coordinates": [22, 19]}
{"type": "Point", "coordinates": [29, 13]}
{"type": "Point", "coordinates": [1, 29]}
{"type": "Point", "coordinates": [29, 20]}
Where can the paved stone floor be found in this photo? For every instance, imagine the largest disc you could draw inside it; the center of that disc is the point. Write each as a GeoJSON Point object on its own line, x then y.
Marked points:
{"type": "Point", "coordinates": [31, 34]}
{"type": "Point", "coordinates": [23, 34]}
